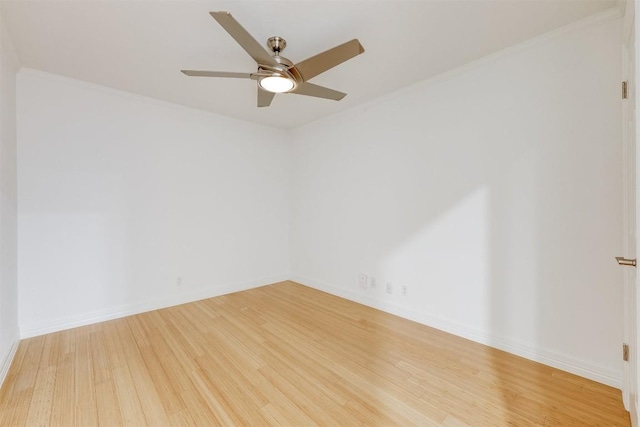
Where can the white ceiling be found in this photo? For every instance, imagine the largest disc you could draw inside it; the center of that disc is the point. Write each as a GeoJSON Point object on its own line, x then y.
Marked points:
{"type": "Point", "coordinates": [140, 46]}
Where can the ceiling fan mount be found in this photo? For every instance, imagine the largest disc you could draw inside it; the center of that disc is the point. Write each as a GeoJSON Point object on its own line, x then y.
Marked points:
{"type": "Point", "coordinates": [277, 74]}
{"type": "Point", "coordinates": [276, 44]}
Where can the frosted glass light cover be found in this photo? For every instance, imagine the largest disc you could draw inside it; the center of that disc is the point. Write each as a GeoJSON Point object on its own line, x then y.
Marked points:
{"type": "Point", "coordinates": [276, 84]}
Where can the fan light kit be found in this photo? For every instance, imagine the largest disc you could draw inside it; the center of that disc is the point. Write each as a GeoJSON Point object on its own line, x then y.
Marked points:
{"type": "Point", "coordinates": [276, 84]}
{"type": "Point", "coordinates": [275, 73]}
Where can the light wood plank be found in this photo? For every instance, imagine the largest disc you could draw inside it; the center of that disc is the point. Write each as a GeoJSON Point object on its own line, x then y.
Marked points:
{"type": "Point", "coordinates": [286, 354]}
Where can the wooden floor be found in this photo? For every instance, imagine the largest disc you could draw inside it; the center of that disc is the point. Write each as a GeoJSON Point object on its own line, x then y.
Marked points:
{"type": "Point", "coordinates": [287, 355]}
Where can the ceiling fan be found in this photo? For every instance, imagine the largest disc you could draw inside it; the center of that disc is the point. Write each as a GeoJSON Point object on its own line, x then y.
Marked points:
{"type": "Point", "coordinates": [277, 74]}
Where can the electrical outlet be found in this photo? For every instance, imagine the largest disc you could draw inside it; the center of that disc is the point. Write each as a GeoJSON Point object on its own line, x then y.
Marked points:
{"type": "Point", "coordinates": [405, 290]}
{"type": "Point", "coordinates": [179, 281]}
{"type": "Point", "coordinates": [389, 288]}
{"type": "Point", "coordinates": [372, 282]}
{"type": "Point", "coordinates": [362, 280]}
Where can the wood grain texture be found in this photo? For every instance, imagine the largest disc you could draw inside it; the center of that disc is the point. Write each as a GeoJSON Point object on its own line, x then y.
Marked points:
{"type": "Point", "coordinates": [286, 354]}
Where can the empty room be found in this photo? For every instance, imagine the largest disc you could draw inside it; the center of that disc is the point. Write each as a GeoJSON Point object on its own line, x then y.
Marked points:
{"type": "Point", "coordinates": [332, 213]}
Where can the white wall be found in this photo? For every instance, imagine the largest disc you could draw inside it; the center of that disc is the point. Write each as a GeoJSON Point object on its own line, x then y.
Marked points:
{"type": "Point", "coordinates": [492, 193]}
{"type": "Point", "coordinates": [9, 333]}
{"type": "Point", "coordinates": [120, 195]}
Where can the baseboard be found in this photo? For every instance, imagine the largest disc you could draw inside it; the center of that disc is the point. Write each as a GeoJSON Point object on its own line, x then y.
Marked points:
{"type": "Point", "coordinates": [6, 363]}
{"type": "Point", "coordinates": [563, 362]}
{"type": "Point", "coordinates": [84, 319]}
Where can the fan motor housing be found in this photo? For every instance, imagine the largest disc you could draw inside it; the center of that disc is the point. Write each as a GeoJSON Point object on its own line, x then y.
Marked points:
{"type": "Point", "coordinates": [284, 61]}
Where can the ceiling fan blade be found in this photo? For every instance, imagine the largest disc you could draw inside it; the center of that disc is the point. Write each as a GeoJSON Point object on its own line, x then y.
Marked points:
{"type": "Point", "coordinates": [310, 89]}
{"type": "Point", "coordinates": [311, 67]}
{"type": "Point", "coordinates": [244, 39]}
{"type": "Point", "coordinates": [264, 97]}
{"type": "Point", "coordinates": [195, 73]}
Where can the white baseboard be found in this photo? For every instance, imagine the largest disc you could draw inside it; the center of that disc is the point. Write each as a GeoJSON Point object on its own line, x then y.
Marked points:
{"type": "Point", "coordinates": [563, 362]}
{"type": "Point", "coordinates": [6, 363]}
{"type": "Point", "coordinates": [84, 319]}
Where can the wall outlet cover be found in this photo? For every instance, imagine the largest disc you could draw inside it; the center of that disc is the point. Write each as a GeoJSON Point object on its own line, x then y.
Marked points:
{"type": "Point", "coordinates": [363, 280]}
